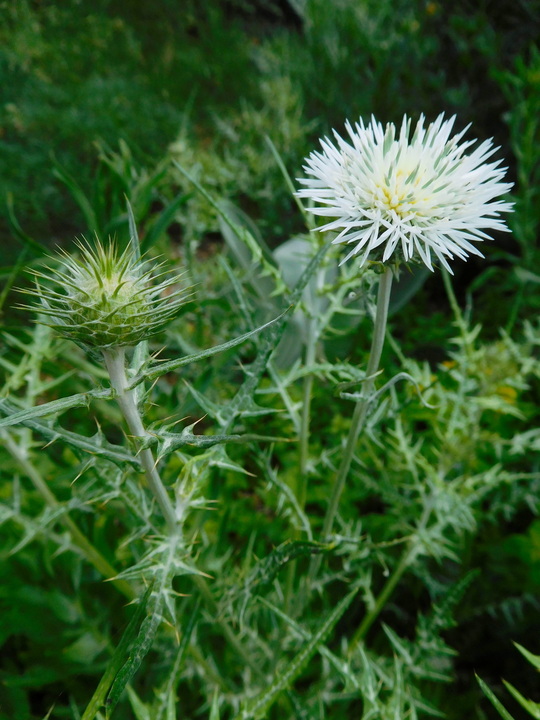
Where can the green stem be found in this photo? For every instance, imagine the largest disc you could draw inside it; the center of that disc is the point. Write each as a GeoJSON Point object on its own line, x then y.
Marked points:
{"type": "Point", "coordinates": [455, 308]}
{"type": "Point", "coordinates": [300, 489]}
{"type": "Point", "coordinates": [409, 554]}
{"type": "Point", "coordinates": [115, 360]}
{"type": "Point", "coordinates": [360, 412]}
{"type": "Point", "coordinates": [385, 593]}
{"type": "Point", "coordinates": [93, 555]}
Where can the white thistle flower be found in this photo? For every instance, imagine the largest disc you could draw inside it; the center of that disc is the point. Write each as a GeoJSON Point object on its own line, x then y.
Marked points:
{"type": "Point", "coordinates": [412, 198]}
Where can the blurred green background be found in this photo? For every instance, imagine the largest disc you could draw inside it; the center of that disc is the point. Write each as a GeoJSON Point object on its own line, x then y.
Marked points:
{"type": "Point", "coordinates": [211, 79]}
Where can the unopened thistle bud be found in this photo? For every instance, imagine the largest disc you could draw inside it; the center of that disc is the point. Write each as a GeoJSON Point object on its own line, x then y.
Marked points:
{"type": "Point", "coordinates": [104, 299]}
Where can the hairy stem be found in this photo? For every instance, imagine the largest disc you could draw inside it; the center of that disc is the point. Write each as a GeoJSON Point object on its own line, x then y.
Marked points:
{"type": "Point", "coordinates": [359, 414]}
{"type": "Point", "coordinates": [115, 361]}
{"type": "Point", "coordinates": [93, 555]}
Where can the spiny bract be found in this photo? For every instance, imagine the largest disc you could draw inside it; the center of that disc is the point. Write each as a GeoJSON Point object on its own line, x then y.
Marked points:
{"type": "Point", "coordinates": [103, 298]}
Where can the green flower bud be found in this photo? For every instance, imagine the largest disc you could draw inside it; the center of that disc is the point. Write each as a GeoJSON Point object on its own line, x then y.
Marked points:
{"type": "Point", "coordinates": [103, 298]}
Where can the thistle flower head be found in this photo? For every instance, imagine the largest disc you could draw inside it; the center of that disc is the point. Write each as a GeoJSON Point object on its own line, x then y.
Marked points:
{"type": "Point", "coordinates": [105, 298]}
{"type": "Point", "coordinates": [419, 198]}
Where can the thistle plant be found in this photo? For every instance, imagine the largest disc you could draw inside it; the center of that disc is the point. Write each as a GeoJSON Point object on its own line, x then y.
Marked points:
{"type": "Point", "coordinates": [106, 300]}
{"type": "Point", "coordinates": [397, 200]}
{"type": "Point", "coordinates": [400, 200]}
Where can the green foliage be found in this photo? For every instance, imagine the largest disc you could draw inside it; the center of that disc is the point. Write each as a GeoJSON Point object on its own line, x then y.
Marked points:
{"type": "Point", "coordinates": [197, 113]}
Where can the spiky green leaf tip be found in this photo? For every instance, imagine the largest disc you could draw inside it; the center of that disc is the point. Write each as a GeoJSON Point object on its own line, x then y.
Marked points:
{"type": "Point", "coordinates": [103, 298]}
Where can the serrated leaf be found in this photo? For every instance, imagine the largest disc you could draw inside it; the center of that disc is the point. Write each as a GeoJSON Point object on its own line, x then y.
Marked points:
{"type": "Point", "coordinates": [257, 249]}
{"type": "Point", "coordinates": [249, 249]}
{"type": "Point", "coordinates": [269, 343]}
{"type": "Point", "coordinates": [208, 406]}
{"type": "Point", "coordinates": [256, 708]}
{"type": "Point", "coordinates": [399, 646]}
{"type": "Point", "coordinates": [266, 570]}
{"type": "Point", "coordinates": [340, 665]}
{"type": "Point", "coordinates": [140, 648]}
{"type": "Point", "coordinates": [167, 695]}
{"type": "Point", "coordinates": [48, 516]}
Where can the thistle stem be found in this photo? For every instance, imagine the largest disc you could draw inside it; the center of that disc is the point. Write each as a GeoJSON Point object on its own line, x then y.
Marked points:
{"type": "Point", "coordinates": [359, 414]}
{"type": "Point", "coordinates": [409, 554]}
{"type": "Point", "coordinates": [115, 361]}
{"type": "Point", "coordinates": [385, 593]}
{"type": "Point", "coordinates": [460, 322]}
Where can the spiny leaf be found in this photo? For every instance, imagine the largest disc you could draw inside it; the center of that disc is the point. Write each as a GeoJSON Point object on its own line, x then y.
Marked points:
{"type": "Point", "coordinates": [269, 343]}
{"type": "Point", "coordinates": [168, 691]}
{"type": "Point", "coordinates": [163, 573]}
{"type": "Point", "coordinates": [257, 249]}
{"type": "Point", "coordinates": [95, 445]}
{"type": "Point", "coordinates": [266, 570]}
{"type": "Point", "coordinates": [157, 370]}
{"type": "Point", "coordinates": [257, 707]}
{"type": "Point", "coordinates": [116, 661]}
{"type": "Point", "coordinates": [243, 251]}
{"type": "Point", "coordinates": [56, 406]}
{"type": "Point", "coordinates": [168, 442]}
{"type": "Point", "coordinates": [340, 665]}
{"type": "Point", "coordinates": [35, 527]}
